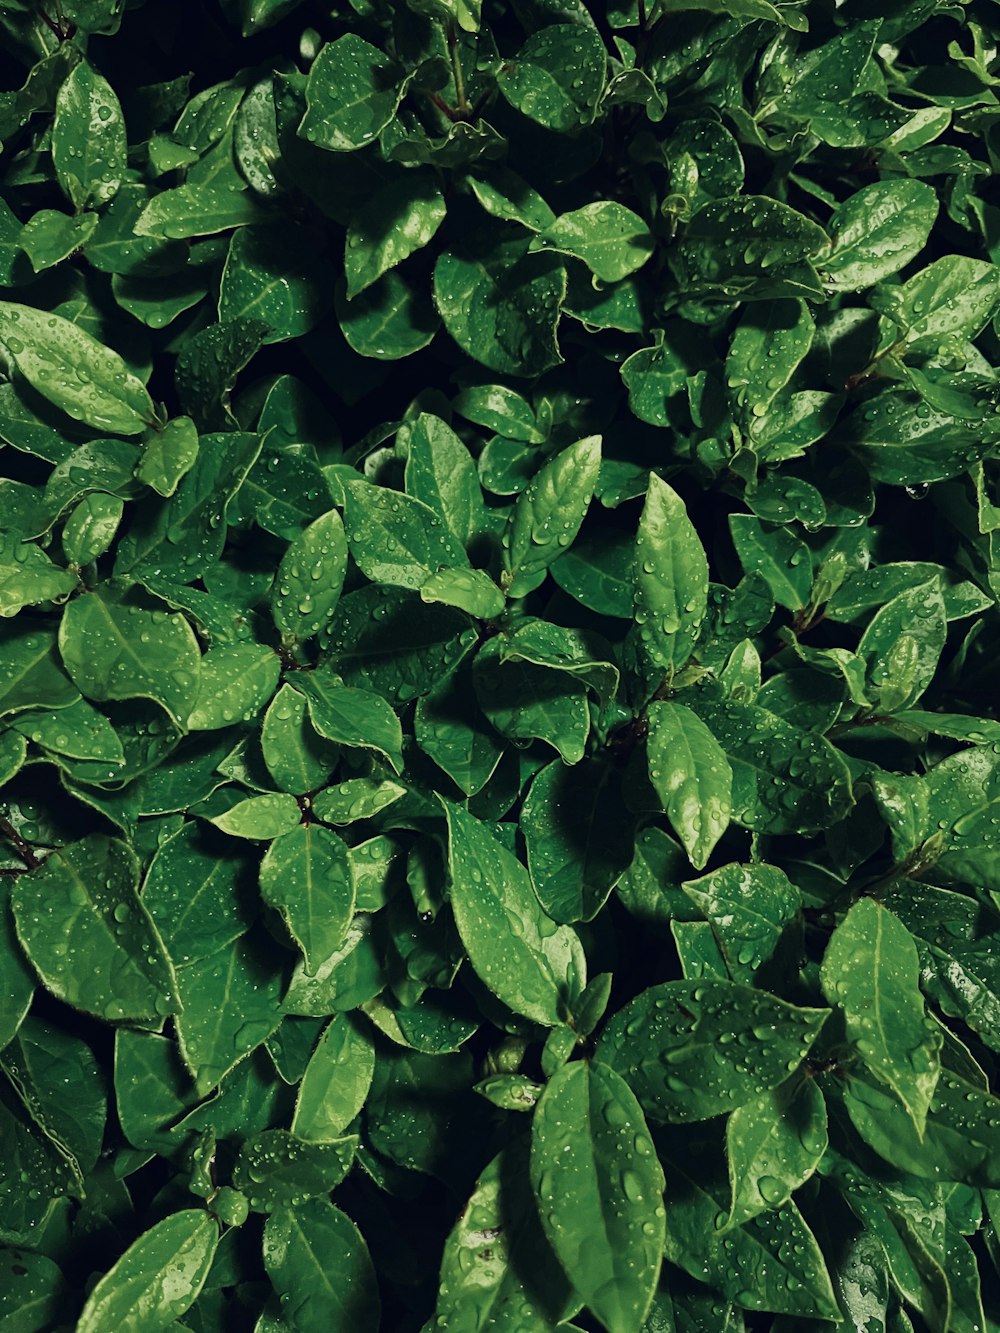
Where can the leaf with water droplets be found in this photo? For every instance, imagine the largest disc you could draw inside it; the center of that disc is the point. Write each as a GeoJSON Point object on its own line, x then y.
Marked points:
{"type": "Point", "coordinates": [579, 837]}
{"type": "Point", "coordinates": [691, 1050]}
{"type": "Point", "coordinates": [89, 936]}
{"type": "Point", "coordinates": [88, 138]}
{"type": "Point", "coordinates": [306, 874]}
{"type": "Point", "coordinates": [399, 219]}
{"type": "Point", "coordinates": [877, 231]}
{"type": "Point", "coordinates": [276, 1169]}
{"type": "Point", "coordinates": [158, 1278]}
{"type": "Point", "coordinates": [557, 76]}
{"type": "Point", "coordinates": [231, 1002]}
{"type": "Point", "coordinates": [671, 579]}
{"type": "Point", "coordinates": [235, 682]}
{"type": "Point", "coordinates": [320, 1267]}
{"type": "Point", "coordinates": [773, 1145]}
{"type": "Point", "coordinates": [549, 512]}
{"type": "Point", "coordinates": [274, 273]}
{"type": "Point", "coordinates": [356, 718]}
{"type": "Point", "coordinates": [598, 1185]}
{"type": "Point", "coordinates": [534, 965]}
{"type": "Point", "coordinates": [69, 367]}
{"type": "Point", "coordinates": [498, 1270]}
{"type": "Point", "coordinates": [307, 588]}
{"type": "Point", "coordinates": [902, 645]}
{"type": "Point", "coordinates": [871, 973]}
{"type": "Point", "coordinates": [28, 576]}
{"type": "Point", "coordinates": [352, 93]}
{"type": "Point", "coordinates": [750, 907]}
{"type": "Point", "coordinates": [115, 647]}
{"type": "Point", "coordinates": [610, 239]}
{"type": "Point", "coordinates": [336, 1081]}
{"type": "Point", "coordinates": [396, 539]}
{"type": "Point", "coordinates": [692, 777]}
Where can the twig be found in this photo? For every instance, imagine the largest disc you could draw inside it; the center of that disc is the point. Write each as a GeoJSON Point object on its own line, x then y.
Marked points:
{"type": "Point", "coordinates": [23, 850]}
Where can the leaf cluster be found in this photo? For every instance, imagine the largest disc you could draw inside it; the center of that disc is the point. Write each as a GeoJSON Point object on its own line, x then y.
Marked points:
{"type": "Point", "coordinates": [499, 743]}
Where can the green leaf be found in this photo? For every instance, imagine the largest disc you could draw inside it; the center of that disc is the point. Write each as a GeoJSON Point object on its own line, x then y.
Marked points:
{"type": "Point", "coordinates": [49, 237]}
{"type": "Point", "coordinates": [208, 366]}
{"type": "Point", "coordinates": [31, 1289]}
{"type": "Point", "coordinates": [549, 512]}
{"type": "Point", "coordinates": [450, 727]}
{"type": "Point", "coordinates": [671, 579]}
{"type": "Point", "coordinates": [260, 818]}
{"type": "Point", "coordinates": [782, 560]}
{"type": "Point", "coordinates": [116, 648]}
{"type": "Point", "coordinates": [78, 731]}
{"type": "Point", "coordinates": [89, 936]}
{"type": "Point", "coordinates": [785, 779]}
{"type": "Point", "coordinates": [198, 892]}
{"type": "Point", "coordinates": [351, 96]}
{"type": "Point", "coordinates": [396, 539]}
{"type": "Point", "coordinates": [692, 777]}
{"type": "Point", "coordinates": [320, 1267]}
{"type": "Point", "coordinates": [773, 1145]}
{"type": "Point", "coordinates": [953, 295]}
{"type": "Point", "coordinates": [336, 1081]}
{"type": "Point", "coordinates": [770, 341]}
{"type": "Point", "coordinates": [750, 248]}
{"type": "Point", "coordinates": [59, 1081]}
{"type": "Point", "coordinates": [88, 138]}
{"type": "Point", "coordinates": [749, 907]}
{"type": "Point", "coordinates": [310, 578]}
{"type": "Point", "coordinates": [599, 1188]}
{"type": "Point", "coordinates": [91, 527]}
{"type": "Point", "coordinates": [692, 1050]}
{"type": "Point", "coordinates": [610, 239]}
{"type": "Point", "coordinates": [306, 875]}
{"type": "Point", "coordinates": [525, 702]}
{"type": "Point", "coordinates": [469, 589]}
{"type": "Point", "coordinates": [159, 1276]}
{"type": "Point", "coordinates": [197, 210]}
{"type": "Point", "coordinates": [353, 717]}
{"type": "Point", "coordinates": [234, 683]}
{"type": "Point", "coordinates": [506, 195]}
{"type": "Point", "coordinates": [877, 231]}
{"type": "Point", "coordinates": [231, 1002]}
{"type": "Point", "coordinates": [275, 1169]}
{"type": "Point", "coordinates": [497, 1260]}
{"type": "Point", "coordinates": [499, 303]}
{"type": "Point", "coordinates": [578, 836]}
{"type": "Point", "coordinates": [557, 77]}
{"type": "Point", "coordinates": [296, 756]}
{"type": "Point", "coordinates": [771, 1263]}
{"type": "Point", "coordinates": [871, 973]}
{"type": "Point", "coordinates": [275, 275]}
{"type": "Point", "coordinates": [534, 965]}
{"type": "Point", "coordinates": [388, 320]}
{"type": "Point", "coordinates": [440, 472]}
{"type": "Point", "coordinates": [28, 576]}
{"type": "Point", "coordinates": [398, 220]}
{"type": "Point", "coordinates": [902, 645]}
{"type": "Point", "coordinates": [70, 368]}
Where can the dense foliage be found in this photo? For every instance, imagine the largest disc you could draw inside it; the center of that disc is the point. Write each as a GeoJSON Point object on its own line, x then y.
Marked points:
{"type": "Point", "coordinates": [499, 730]}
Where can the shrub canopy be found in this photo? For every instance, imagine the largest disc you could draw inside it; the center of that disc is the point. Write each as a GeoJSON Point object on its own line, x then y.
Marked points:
{"type": "Point", "coordinates": [498, 718]}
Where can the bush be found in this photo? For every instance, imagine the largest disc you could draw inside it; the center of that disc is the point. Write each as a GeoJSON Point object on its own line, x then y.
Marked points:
{"type": "Point", "coordinates": [501, 810]}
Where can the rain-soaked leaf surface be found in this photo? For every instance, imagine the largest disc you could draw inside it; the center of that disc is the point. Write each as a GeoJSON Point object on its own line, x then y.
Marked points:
{"type": "Point", "coordinates": [499, 558]}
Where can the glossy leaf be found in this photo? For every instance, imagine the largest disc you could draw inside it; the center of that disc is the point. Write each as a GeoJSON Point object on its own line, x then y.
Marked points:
{"type": "Point", "coordinates": [89, 936]}
{"type": "Point", "coordinates": [531, 963]}
{"type": "Point", "coordinates": [159, 1277]}
{"type": "Point", "coordinates": [870, 971]}
{"type": "Point", "coordinates": [599, 1191]}
{"type": "Point", "coordinates": [671, 579]}
{"type": "Point", "coordinates": [306, 875]}
{"type": "Point", "coordinates": [692, 777]}
{"type": "Point", "coordinates": [320, 1267]}
{"type": "Point", "coordinates": [71, 369]}
{"type": "Point", "coordinates": [690, 1051]}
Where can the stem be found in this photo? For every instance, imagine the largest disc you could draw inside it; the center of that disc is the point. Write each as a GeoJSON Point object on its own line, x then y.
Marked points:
{"type": "Point", "coordinates": [23, 850]}
{"type": "Point", "coordinates": [461, 105]}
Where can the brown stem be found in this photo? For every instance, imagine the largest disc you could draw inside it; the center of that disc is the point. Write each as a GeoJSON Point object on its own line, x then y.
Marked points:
{"type": "Point", "coordinates": [23, 850]}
